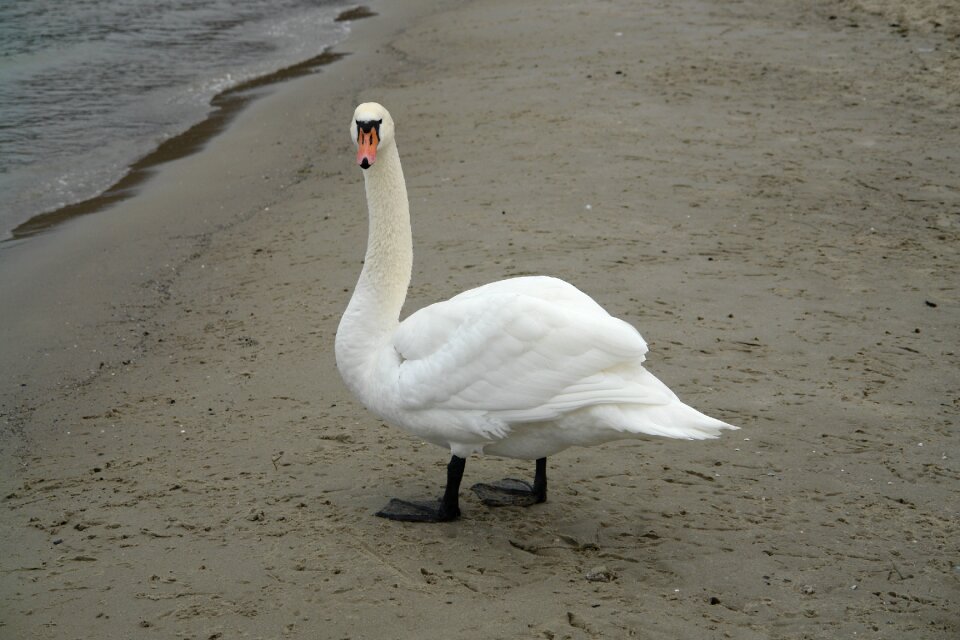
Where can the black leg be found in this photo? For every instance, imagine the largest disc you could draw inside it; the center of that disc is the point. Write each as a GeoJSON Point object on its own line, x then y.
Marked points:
{"type": "Point", "coordinates": [443, 510]}
{"type": "Point", "coordinates": [540, 480]}
{"type": "Point", "coordinates": [513, 492]}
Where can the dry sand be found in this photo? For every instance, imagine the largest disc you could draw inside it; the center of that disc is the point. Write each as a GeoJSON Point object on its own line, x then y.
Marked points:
{"type": "Point", "coordinates": [769, 193]}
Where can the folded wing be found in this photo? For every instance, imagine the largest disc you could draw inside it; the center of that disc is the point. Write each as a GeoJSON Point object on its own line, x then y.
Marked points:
{"type": "Point", "coordinates": [526, 349]}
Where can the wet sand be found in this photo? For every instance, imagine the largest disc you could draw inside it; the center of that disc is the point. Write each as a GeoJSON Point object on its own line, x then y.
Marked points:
{"type": "Point", "coordinates": [769, 191]}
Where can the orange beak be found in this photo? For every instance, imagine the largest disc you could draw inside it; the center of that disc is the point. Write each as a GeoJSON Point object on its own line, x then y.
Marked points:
{"type": "Point", "coordinates": [367, 142]}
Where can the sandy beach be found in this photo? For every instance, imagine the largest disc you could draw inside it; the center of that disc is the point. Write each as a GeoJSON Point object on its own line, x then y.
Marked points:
{"type": "Point", "coordinates": [769, 191]}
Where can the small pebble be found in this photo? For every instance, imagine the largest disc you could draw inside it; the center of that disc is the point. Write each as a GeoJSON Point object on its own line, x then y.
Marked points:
{"type": "Point", "coordinates": [600, 574]}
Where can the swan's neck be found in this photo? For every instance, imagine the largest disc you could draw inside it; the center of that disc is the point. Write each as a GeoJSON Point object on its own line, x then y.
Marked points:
{"type": "Point", "coordinates": [374, 310]}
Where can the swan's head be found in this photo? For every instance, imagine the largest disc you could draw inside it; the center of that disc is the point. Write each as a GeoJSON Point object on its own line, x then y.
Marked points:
{"type": "Point", "coordinates": [371, 129]}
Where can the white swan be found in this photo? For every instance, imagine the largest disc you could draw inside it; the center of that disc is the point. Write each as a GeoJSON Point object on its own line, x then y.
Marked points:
{"type": "Point", "coordinates": [521, 368]}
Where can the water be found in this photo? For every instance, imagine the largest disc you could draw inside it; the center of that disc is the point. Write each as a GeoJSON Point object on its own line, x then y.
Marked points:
{"type": "Point", "coordinates": [89, 86]}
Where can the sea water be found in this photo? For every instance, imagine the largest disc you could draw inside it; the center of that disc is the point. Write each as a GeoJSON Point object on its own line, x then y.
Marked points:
{"type": "Point", "coordinates": [88, 87]}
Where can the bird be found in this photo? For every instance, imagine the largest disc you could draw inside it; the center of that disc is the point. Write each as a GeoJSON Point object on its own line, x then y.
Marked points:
{"type": "Point", "coordinates": [520, 368]}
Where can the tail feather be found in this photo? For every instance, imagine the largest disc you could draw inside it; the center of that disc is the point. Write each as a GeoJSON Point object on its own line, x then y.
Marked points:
{"type": "Point", "coordinates": [673, 420]}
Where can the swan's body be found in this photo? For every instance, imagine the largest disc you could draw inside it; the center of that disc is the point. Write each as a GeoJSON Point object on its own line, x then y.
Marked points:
{"type": "Point", "coordinates": [521, 368]}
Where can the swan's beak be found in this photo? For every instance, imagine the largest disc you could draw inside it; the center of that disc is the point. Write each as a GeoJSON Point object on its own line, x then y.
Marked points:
{"type": "Point", "coordinates": [367, 142]}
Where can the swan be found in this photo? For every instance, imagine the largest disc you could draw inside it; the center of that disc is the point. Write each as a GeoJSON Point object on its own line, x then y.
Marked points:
{"type": "Point", "coordinates": [521, 368]}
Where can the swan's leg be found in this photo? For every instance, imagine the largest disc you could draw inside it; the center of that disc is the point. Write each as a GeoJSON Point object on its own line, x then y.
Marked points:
{"type": "Point", "coordinates": [513, 492]}
{"type": "Point", "coordinates": [443, 510]}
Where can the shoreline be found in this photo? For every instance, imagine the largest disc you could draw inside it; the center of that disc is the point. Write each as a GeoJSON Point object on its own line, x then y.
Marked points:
{"type": "Point", "coordinates": [766, 192]}
{"type": "Point", "coordinates": [224, 106]}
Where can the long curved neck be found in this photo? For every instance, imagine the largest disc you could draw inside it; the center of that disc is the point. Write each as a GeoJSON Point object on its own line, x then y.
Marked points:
{"type": "Point", "coordinates": [374, 310]}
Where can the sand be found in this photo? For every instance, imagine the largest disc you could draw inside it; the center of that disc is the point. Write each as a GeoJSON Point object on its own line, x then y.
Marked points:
{"type": "Point", "coordinates": [768, 190]}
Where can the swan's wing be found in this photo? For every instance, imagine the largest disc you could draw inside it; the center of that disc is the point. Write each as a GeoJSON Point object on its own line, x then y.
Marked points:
{"type": "Point", "coordinates": [553, 290]}
{"type": "Point", "coordinates": [428, 329]}
{"type": "Point", "coordinates": [518, 356]}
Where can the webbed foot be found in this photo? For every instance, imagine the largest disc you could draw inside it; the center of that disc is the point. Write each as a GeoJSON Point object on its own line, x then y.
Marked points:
{"type": "Point", "coordinates": [445, 509]}
{"type": "Point", "coordinates": [509, 492]}
{"type": "Point", "coordinates": [419, 511]}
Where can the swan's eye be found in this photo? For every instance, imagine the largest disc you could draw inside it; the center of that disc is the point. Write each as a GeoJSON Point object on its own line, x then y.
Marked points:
{"type": "Point", "coordinates": [367, 125]}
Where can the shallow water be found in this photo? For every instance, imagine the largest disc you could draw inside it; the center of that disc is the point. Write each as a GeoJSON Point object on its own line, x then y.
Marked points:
{"type": "Point", "coordinates": [87, 88]}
